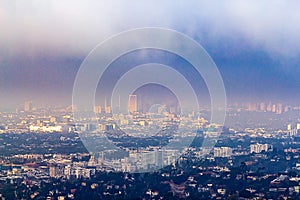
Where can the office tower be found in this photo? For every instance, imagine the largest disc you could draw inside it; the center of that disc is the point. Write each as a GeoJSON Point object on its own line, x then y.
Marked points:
{"type": "Point", "coordinates": [106, 107]}
{"type": "Point", "coordinates": [252, 107]}
{"type": "Point", "coordinates": [107, 110]}
{"type": "Point", "coordinates": [97, 109]}
{"type": "Point", "coordinates": [279, 108]}
{"type": "Point", "coordinates": [262, 107]}
{"type": "Point", "coordinates": [28, 106]}
{"type": "Point", "coordinates": [274, 108]}
{"type": "Point", "coordinates": [132, 104]}
{"type": "Point", "coordinates": [286, 108]}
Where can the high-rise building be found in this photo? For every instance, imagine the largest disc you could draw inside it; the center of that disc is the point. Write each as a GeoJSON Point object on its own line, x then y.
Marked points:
{"type": "Point", "coordinates": [279, 108]}
{"type": "Point", "coordinates": [97, 109]}
{"type": "Point", "coordinates": [297, 128]}
{"type": "Point", "coordinates": [132, 104]}
{"type": "Point", "coordinates": [222, 152]}
{"type": "Point", "coordinates": [107, 110]}
{"type": "Point", "coordinates": [106, 107]}
{"type": "Point", "coordinates": [262, 107]}
{"type": "Point", "coordinates": [28, 106]}
{"type": "Point", "coordinates": [269, 107]}
{"type": "Point", "coordinates": [293, 129]}
{"type": "Point", "coordinates": [274, 108]}
{"type": "Point", "coordinates": [286, 108]}
{"type": "Point", "coordinates": [252, 107]}
{"type": "Point", "coordinates": [258, 148]}
{"type": "Point", "coordinates": [289, 127]}
{"type": "Point", "coordinates": [56, 170]}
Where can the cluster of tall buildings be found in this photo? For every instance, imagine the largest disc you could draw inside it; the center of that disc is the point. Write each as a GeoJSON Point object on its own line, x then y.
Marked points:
{"type": "Point", "coordinates": [143, 160]}
{"type": "Point", "coordinates": [263, 107]}
{"type": "Point", "coordinates": [225, 152]}
{"type": "Point", "coordinates": [222, 152]}
{"type": "Point", "coordinates": [258, 148]}
{"type": "Point", "coordinates": [132, 106]}
{"type": "Point", "coordinates": [293, 129]}
{"type": "Point", "coordinates": [58, 170]}
{"type": "Point", "coordinates": [105, 109]}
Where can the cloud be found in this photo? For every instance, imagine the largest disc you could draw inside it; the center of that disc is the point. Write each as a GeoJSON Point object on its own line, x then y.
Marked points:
{"type": "Point", "coordinates": [42, 43]}
{"type": "Point", "coordinates": [74, 27]}
{"type": "Point", "coordinates": [274, 26]}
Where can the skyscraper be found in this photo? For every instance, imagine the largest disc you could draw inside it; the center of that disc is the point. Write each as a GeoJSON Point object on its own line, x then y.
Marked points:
{"type": "Point", "coordinates": [97, 109]}
{"type": "Point", "coordinates": [28, 106]}
{"type": "Point", "coordinates": [279, 108]}
{"type": "Point", "coordinates": [106, 107]}
{"type": "Point", "coordinates": [262, 107]}
{"type": "Point", "coordinates": [132, 104]}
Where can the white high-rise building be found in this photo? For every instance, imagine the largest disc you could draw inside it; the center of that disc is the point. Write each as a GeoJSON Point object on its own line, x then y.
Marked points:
{"type": "Point", "coordinates": [258, 148]}
{"type": "Point", "coordinates": [222, 152]}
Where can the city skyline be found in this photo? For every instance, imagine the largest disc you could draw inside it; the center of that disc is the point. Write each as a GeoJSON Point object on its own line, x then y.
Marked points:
{"type": "Point", "coordinates": [149, 99]}
{"type": "Point", "coordinates": [254, 45]}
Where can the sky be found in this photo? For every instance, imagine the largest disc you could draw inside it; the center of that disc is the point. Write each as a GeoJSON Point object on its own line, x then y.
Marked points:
{"type": "Point", "coordinates": [255, 44]}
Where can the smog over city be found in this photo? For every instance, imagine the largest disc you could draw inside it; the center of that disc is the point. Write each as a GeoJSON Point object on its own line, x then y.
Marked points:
{"type": "Point", "coordinates": [149, 99]}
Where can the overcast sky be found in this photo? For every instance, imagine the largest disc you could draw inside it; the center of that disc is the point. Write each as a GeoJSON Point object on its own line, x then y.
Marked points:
{"type": "Point", "coordinates": [255, 44]}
